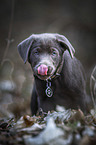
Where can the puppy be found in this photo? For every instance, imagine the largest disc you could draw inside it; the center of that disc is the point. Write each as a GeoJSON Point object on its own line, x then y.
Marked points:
{"type": "Point", "coordinates": [59, 76]}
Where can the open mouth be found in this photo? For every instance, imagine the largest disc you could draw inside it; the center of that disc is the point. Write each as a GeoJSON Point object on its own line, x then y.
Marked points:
{"type": "Point", "coordinates": [43, 71]}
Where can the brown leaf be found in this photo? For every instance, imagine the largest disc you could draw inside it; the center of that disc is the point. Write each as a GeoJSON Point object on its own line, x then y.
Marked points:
{"type": "Point", "coordinates": [77, 116]}
{"type": "Point", "coordinates": [29, 120]}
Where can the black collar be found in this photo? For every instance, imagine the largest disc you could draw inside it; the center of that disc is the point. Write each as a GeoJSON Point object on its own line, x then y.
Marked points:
{"type": "Point", "coordinates": [48, 91]}
{"type": "Point", "coordinates": [58, 70]}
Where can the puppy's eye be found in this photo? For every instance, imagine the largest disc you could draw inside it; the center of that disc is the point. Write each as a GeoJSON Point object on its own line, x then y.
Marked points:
{"type": "Point", "coordinates": [54, 53]}
{"type": "Point", "coordinates": [36, 52]}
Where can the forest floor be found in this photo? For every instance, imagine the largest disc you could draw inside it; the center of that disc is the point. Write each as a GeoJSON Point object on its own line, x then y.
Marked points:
{"type": "Point", "coordinates": [66, 127]}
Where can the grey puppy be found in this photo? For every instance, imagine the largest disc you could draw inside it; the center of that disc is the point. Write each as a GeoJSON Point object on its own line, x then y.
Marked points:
{"type": "Point", "coordinates": [59, 76]}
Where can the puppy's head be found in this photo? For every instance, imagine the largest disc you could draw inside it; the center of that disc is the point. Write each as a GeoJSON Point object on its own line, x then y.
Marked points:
{"type": "Point", "coordinates": [45, 53]}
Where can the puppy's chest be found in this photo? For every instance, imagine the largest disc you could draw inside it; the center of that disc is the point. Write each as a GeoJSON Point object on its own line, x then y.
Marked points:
{"type": "Point", "coordinates": [58, 88]}
{"type": "Point", "coordinates": [61, 94]}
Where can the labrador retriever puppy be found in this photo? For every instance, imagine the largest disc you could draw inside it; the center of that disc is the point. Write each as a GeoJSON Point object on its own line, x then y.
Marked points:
{"type": "Point", "coordinates": [59, 76]}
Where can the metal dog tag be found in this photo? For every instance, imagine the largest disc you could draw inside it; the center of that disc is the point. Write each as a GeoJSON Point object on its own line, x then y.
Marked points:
{"type": "Point", "coordinates": [48, 91]}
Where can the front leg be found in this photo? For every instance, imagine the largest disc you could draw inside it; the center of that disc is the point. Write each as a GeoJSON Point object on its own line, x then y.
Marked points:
{"type": "Point", "coordinates": [47, 104]}
{"type": "Point", "coordinates": [34, 101]}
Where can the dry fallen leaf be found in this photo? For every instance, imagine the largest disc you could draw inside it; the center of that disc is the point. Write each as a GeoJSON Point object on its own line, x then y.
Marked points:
{"type": "Point", "coordinates": [29, 120]}
{"type": "Point", "coordinates": [77, 116]}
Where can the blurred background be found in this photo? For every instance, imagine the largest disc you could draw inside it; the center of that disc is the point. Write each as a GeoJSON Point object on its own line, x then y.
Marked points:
{"type": "Point", "coordinates": [76, 19]}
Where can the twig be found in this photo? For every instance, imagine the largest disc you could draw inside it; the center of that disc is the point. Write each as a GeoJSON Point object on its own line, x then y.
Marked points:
{"type": "Point", "coordinates": [93, 79]}
{"type": "Point", "coordinates": [9, 32]}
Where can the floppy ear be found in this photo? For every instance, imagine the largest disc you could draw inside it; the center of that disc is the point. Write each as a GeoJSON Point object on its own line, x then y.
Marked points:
{"type": "Point", "coordinates": [64, 42]}
{"type": "Point", "coordinates": [24, 48]}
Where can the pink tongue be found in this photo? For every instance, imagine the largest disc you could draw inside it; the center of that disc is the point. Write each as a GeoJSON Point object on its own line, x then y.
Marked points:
{"type": "Point", "coordinates": [42, 69]}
